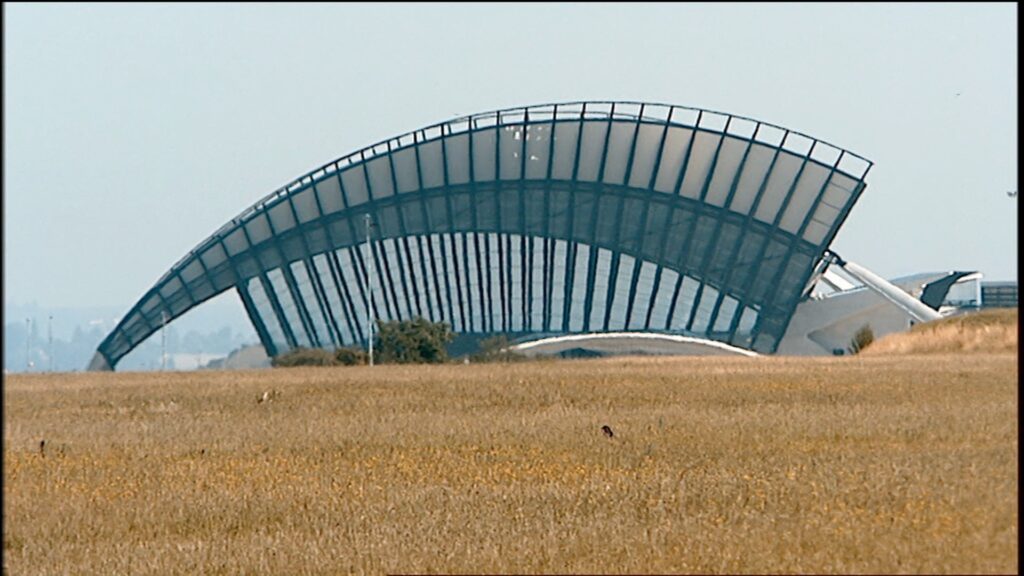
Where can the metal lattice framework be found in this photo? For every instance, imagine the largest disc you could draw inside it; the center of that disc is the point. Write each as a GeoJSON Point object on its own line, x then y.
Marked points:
{"type": "Point", "coordinates": [554, 219]}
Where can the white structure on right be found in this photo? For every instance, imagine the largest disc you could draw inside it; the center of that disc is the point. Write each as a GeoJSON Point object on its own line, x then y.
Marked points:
{"type": "Point", "coordinates": [846, 297]}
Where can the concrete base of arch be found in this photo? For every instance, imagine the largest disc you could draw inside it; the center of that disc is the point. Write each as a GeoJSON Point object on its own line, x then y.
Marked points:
{"type": "Point", "coordinates": [623, 343]}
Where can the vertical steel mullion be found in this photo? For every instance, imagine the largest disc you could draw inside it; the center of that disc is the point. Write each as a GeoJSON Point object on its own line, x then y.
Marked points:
{"type": "Point", "coordinates": [472, 216]}
{"type": "Point", "coordinates": [654, 296]}
{"type": "Point", "coordinates": [595, 213]}
{"type": "Point", "coordinates": [549, 275]}
{"type": "Point", "coordinates": [331, 322]}
{"type": "Point", "coordinates": [571, 254]}
{"type": "Point", "coordinates": [275, 305]}
{"type": "Point", "coordinates": [749, 217]}
{"type": "Point", "coordinates": [524, 323]}
{"type": "Point", "coordinates": [257, 320]}
{"type": "Point", "coordinates": [613, 277]}
{"type": "Point", "coordinates": [674, 302]}
{"type": "Point", "coordinates": [380, 254]}
{"type": "Point", "coordinates": [451, 234]}
{"type": "Point", "coordinates": [304, 319]}
{"type": "Point", "coordinates": [436, 314]}
{"type": "Point", "coordinates": [438, 293]}
{"type": "Point", "coordinates": [650, 199]}
{"type": "Point", "coordinates": [546, 223]}
{"type": "Point", "coordinates": [428, 226]}
{"type": "Point", "coordinates": [271, 294]}
{"type": "Point", "coordinates": [348, 309]}
{"type": "Point", "coordinates": [242, 288]}
{"type": "Point", "coordinates": [701, 270]}
{"type": "Point", "coordinates": [509, 255]}
{"type": "Point", "coordinates": [772, 294]}
{"type": "Point", "coordinates": [452, 240]}
{"type": "Point", "coordinates": [486, 269]}
{"type": "Point", "coordinates": [500, 239]}
{"type": "Point", "coordinates": [363, 269]}
{"type": "Point", "coordinates": [643, 218]}
{"type": "Point", "coordinates": [403, 234]}
{"type": "Point", "coordinates": [300, 231]}
{"type": "Point", "coordinates": [697, 301]}
{"type": "Point", "coordinates": [528, 291]}
{"type": "Point", "coordinates": [748, 220]}
{"type": "Point", "coordinates": [321, 294]}
{"type": "Point", "coordinates": [372, 205]}
{"type": "Point", "coordinates": [795, 240]}
{"type": "Point", "coordinates": [480, 281]}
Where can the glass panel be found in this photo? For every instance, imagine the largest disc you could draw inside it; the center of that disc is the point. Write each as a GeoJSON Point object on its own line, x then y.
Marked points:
{"type": "Point", "coordinates": [404, 307]}
{"type": "Point", "coordinates": [579, 289]}
{"type": "Point", "coordinates": [458, 296]}
{"type": "Point", "coordinates": [305, 205]}
{"type": "Point", "coordinates": [558, 285]}
{"type": "Point", "coordinates": [355, 185]}
{"type": "Point", "coordinates": [704, 146]}
{"type": "Point", "coordinates": [566, 136]}
{"type": "Point", "coordinates": [281, 216]}
{"type": "Point", "coordinates": [600, 292]}
{"type": "Point", "coordinates": [538, 284]}
{"type": "Point", "coordinates": [494, 279]}
{"type": "Point", "coordinates": [404, 162]}
{"type": "Point", "coordinates": [511, 138]}
{"type": "Point", "coordinates": [235, 242]}
{"type": "Point", "coordinates": [685, 303]}
{"type": "Point", "coordinates": [484, 142]}
{"type": "Point", "coordinates": [642, 300]}
{"type": "Point", "coordinates": [335, 307]}
{"type": "Point", "coordinates": [266, 314]}
{"type": "Point", "coordinates": [592, 150]}
{"type": "Point", "coordinates": [538, 140]}
{"type": "Point", "coordinates": [431, 165]}
{"type": "Point", "coordinates": [291, 313]}
{"type": "Point", "coordinates": [663, 299]}
{"type": "Point", "coordinates": [457, 153]}
{"type": "Point", "coordinates": [708, 298]}
{"type": "Point", "coordinates": [807, 188]}
{"type": "Point", "coordinates": [378, 171]}
{"type": "Point", "coordinates": [355, 282]}
{"type": "Point", "coordinates": [620, 144]}
{"type": "Point", "coordinates": [213, 256]}
{"type": "Point", "coordinates": [747, 321]}
{"type": "Point", "coordinates": [192, 270]}
{"type": "Point", "coordinates": [647, 142]}
{"type": "Point", "coordinates": [309, 299]}
{"type": "Point", "coordinates": [729, 157]}
{"type": "Point", "coordinates": [258, 228]}
{"type": "Point", "coordinates": [677, 141]}
{"type": "Point", "coordinates": [779, 183]}
{"type": "Point", "coordinates": [620, 297]}
{"type": "Point", "coordinates": [328, 191]}
{"type": "Point", "coordinates": [754, 169]}
{"type": "Point", "coordinates": [515, 282]}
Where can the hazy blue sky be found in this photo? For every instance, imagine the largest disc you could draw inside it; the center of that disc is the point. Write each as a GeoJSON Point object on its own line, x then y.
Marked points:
{"type": "Point", "coordinates": [131, 132]}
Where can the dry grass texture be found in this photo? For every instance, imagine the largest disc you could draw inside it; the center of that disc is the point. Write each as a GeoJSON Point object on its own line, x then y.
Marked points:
{"type": "Point", "coordinates": [986, 331]}
{"type": "Point", "coordinates": [882, 464]}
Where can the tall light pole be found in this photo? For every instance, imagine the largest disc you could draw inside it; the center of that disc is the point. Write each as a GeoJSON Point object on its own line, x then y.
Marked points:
{"type": "Point", "coordinates": [369, 291]}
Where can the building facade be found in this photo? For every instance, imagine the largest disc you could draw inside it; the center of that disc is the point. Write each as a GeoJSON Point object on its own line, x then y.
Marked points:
{"type": "Point", "coordinates": [561, 219]}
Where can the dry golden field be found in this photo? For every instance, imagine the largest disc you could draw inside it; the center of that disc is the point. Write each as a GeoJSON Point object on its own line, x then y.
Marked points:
{"type": "Point", "coordinates": [878, 464]}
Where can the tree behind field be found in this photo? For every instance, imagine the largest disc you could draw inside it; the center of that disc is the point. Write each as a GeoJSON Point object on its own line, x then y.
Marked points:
{"type": "Point", "coordinates": [416, 341]}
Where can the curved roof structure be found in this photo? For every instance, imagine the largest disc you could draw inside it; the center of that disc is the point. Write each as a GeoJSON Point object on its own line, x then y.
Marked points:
{"type": "Point", "coordinates": [555, 219]}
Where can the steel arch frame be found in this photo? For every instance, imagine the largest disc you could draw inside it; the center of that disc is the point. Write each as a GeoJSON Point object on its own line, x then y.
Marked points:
{"type": "Point", "coordinates": [231, 257]}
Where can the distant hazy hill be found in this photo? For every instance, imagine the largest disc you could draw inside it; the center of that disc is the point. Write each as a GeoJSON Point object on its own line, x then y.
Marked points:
{"type": "Point", "coordinates": [985, 331]}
